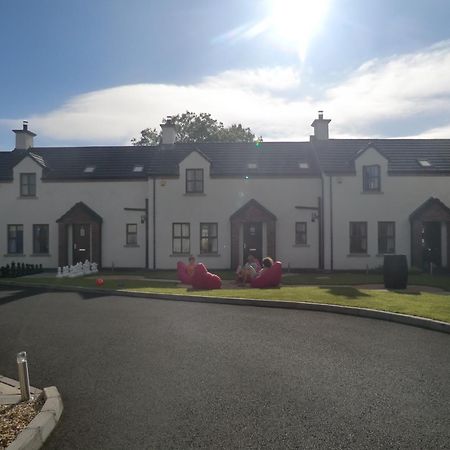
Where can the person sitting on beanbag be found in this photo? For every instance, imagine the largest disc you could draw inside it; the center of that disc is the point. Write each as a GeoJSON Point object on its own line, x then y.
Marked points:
{"type": "Point", "coordinates": [185, 271]}
{"type": "Point", "coordinates": [269, 276]}
{"type": "Point", "coordinates": [250, 270]}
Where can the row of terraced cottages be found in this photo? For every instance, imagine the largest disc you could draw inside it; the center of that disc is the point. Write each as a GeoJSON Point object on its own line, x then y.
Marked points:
{"type": "Point", "coordinates": [334, 204]}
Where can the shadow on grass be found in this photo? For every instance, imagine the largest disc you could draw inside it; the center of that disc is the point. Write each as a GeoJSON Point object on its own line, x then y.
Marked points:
{"type": "Point", "coordinates": [345, 291]}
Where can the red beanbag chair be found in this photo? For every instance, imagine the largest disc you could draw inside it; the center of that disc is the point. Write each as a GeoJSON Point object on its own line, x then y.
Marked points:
{"type": "Point", "coordinates": [269, 278]}
{"type": "Point", "coordinates": [202, 279]}
{"type": "Point", "coordinates": [183, 274]}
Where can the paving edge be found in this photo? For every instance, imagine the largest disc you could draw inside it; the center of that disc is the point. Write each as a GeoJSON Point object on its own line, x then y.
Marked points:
{"type": "Point", "coordinates": [33, 436]}
{"type": "Point", "coordinates": [404, 319]}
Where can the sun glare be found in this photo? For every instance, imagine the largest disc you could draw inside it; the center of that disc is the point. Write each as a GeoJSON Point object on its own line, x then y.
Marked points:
{"type": "Point", "coordinates": [295, 22]}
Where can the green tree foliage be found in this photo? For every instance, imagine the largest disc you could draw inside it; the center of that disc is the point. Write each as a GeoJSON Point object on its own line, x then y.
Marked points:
{"type": "Point", "coordinates": [192, 127]}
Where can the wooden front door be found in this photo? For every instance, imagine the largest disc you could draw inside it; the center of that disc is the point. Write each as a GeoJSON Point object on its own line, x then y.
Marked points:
{"type": "Point", "coordinates": [81, 242]}
{"type": "Point", "coordinates": [432, 243]}
{"type": "Point", "coordinates": [253, 240]}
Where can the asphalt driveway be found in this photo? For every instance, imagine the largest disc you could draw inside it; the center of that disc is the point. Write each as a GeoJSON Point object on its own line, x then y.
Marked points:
{"type": "Point", "coordinates": [137, 374]}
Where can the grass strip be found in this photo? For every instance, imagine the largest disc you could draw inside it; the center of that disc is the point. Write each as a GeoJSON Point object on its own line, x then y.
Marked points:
{"type": "Point", "coordinates": [424, 304]}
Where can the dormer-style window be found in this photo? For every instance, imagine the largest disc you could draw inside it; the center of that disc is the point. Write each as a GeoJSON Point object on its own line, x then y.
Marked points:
{"type": "Point", "coordinates": [28, 185]}
{"type": "Point", "coordinates": [424, 163]}
{"type": "Point", "coordinates": [194, 181]}
{"type": "Point", "coordinates": [138, 168]}
{"type": "Point", "coordinates": [89, 169]}
{"type": "Point", "coordinates": [303, 165]}
{"type": "Point", "coordinates": [371, 178]}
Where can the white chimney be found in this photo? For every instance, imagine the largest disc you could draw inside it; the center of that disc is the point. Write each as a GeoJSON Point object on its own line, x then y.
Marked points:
{"type": "Point", "coordinates": [320, 126]}
{"type": "Point", "coordinates": [24, 137]}
{"type": "Point", "coordinates": [168, 133]}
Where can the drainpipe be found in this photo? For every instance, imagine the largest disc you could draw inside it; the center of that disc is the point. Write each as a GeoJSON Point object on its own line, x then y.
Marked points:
{"type": "Point", "coordinates": [154, 223]}
{"type": "Point", "coordinates": [146, 234]}
{"type": "Point", "coordinates": [321, 225]}
{"type": "Point", "coordinates": [331, 225]}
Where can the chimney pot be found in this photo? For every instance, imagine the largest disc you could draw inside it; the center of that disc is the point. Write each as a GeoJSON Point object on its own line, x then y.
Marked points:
{"type": "Point", "coordinates": [168, 132]}
{"type": "Point", "coordinates": [24, 137]}
{"type": "Point", "coordinates": [320, 126]}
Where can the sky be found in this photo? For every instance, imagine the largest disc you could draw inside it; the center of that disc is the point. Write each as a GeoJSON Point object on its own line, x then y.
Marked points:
{"type": "Point", "coordinates": [86, 72]}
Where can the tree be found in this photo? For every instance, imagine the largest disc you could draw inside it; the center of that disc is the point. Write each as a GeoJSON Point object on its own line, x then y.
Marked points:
{"type": "Point", "coordinates": [192, 127]}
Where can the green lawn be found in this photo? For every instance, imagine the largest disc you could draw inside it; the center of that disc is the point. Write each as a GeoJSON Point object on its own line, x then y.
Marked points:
{"type": "Point", "coordinates": [313, 278]}
{"type": "Point", "coordinates": [424, 304]}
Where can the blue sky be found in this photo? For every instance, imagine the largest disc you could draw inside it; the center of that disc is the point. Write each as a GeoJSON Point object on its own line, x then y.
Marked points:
{"type": "Point", "coordinates": [97, 72]}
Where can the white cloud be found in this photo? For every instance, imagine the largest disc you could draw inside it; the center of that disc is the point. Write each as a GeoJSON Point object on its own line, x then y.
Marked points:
{"type": "Point", "coordinates": [268, 101]}
{"type": "Point", "coordinates": [394, 88]}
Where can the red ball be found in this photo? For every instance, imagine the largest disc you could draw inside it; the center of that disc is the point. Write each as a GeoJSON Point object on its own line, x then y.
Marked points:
{"type": "Point", "coordinates": [99, 282]}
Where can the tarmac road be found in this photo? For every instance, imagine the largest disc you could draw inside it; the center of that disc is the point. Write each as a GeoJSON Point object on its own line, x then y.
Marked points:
{"type": "Point", "coordinates": [153, 374]}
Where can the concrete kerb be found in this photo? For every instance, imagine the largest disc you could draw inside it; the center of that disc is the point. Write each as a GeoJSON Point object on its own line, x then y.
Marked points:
{"type": "Point", "coordinates": [33, 436]}
{"type": "Point", "coordinates": [404, 319]}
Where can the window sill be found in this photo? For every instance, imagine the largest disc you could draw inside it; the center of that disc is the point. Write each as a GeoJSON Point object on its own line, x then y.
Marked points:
{"type": "Point", "coordinates": [38, 255]}
{"type": "Point", "coordinates": [28, 197]}
{"type": "Point", "coordinates": [180, 255]}
{"type": "Point", "coordinates": [372, 192]}
{"type": "Point", "coordinates": [380, 255]}
{"type": "Point", "coordinates": [131, 245]}
{"type": "Point", "coordinates": [14, 255]}
{"type": "Point", "coordinates": [201, 255]}
{"type": "Point", "coordinates": [194, 194]}
{"type": "Point", "coordinates": [301, 245]}
{"type": "Point", "coordinates": [358, 255]}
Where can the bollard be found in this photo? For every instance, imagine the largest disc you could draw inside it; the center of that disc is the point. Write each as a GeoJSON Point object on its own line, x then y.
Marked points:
{"type": "Point", "coordinates": [24, 380]}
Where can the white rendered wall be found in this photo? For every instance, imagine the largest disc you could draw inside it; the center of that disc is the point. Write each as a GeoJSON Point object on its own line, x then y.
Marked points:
{"type": "Point", "coordinates": [53, 199]}
{"type": "Point", "coordinates": [399, 197]}
{"type": "Point", "coordinates": [224, 196]}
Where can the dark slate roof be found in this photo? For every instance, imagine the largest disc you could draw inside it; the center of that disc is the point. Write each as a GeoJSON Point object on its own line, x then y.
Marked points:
{"type": "Point", "coordinates": [68, 163]}
{"type": "Point", "coordinates": [338, 155]}
{"type": "Point", "coordinates": [232, 159]}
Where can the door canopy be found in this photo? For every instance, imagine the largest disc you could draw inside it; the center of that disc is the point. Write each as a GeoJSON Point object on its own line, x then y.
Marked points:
{"type": "Point", "coordinates": [432, 210]}
{"type": "Point", "coordinates": [80, 213]}
{"type": "Point", "coordinates": [252, 211]}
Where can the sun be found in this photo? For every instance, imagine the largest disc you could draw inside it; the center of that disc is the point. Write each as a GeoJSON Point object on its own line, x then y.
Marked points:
{"type": "Point", "coordinates": [295, 22]}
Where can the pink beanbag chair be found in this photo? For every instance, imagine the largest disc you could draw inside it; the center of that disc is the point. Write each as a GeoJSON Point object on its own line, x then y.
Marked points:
{"type": "Point", "coordinates": [202, 279]}
{"type": "Point", "coordinates": [183, 274]}
{"type": "Point", "coordinates": [269, 278]}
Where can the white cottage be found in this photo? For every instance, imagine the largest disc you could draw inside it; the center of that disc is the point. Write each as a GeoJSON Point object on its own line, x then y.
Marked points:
{"type": "Point", "coordinates": [324, 204]}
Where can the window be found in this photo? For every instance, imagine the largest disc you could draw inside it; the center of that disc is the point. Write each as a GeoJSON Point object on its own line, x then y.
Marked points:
{"type": "Point", "coordinates": [358, 237]}
{"type": "Point", "coordinates": [194, 181]}
{"type": "Point", "coordinates": [252, 165]}
{"type": "Point", "coordinates": [303, 165]}
{"type": "Point", "coordinates": [131, 234]}
{"type": "Point", "coordinates": [371, 179]}
{"type": "Point", "coordinates": [138, 168]}
{"type": "Point", "coordinates": [27, 184]}
{"type": "Point", "coordinates": [300, 233]}
{"type": "Point", "coordinates": [386, 237]}
{"type": "Point", "coordinates": [181, 238]}
{"type": "Point", "coordinates": [208, 238]}
{"type": "Point", "coordinates": [15, 239]}
{"type": "Point", "coordinates": [424, 163]}
{"type": "Point", "coordinates": [40, 239]}
{"type": "Point", "coordinates": [89, 169]}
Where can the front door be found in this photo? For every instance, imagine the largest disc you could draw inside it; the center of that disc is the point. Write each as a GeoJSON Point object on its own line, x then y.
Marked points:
{"type": "Point", "coordinates": [432, 243]}
{"type": "Point", "coordinates": [81, 242]}
{"type": "Point", "coordinates": [253, 240]}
